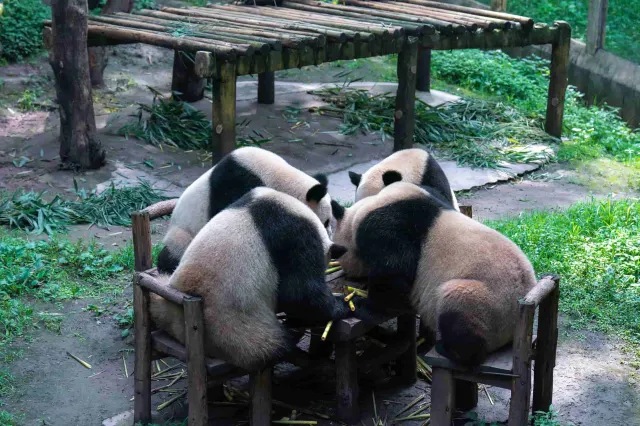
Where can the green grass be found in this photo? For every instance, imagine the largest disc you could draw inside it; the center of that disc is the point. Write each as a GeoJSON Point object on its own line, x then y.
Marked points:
{"type": "Point", "coordinates": [622, 36]}
{"type": "Point", "coordinates": [595, 247]}
{"type": "Point", "coordinates": [34, 213]}
{"type": "Point", "coordinates": [589, 132]}
{"type": "Point", "coordinates": [7, 419]}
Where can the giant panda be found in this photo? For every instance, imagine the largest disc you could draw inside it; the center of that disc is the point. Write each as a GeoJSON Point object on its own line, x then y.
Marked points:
{"type": "Point", "coordinates": [417, 252]}
{"type": "Point", "coordinates": [408, 165]}
{"type": "Point", "coordinates": [235, 175]}
{"type": "Point", "coordinates": [266, 253]}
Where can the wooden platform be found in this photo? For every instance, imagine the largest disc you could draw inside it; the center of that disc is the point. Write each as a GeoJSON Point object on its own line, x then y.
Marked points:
{"type": "Point", "coordinates": [227, 41]}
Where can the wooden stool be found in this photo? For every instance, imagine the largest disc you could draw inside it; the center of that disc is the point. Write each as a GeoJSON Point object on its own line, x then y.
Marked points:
{"type": "Point", "coordinates": [157, 344]}
{"type": "Point", "coordinates": [456, 387]}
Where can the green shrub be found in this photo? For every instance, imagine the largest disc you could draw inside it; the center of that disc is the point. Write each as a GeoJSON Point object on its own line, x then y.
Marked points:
{"type": "Point", "coordinates": [21, 27]}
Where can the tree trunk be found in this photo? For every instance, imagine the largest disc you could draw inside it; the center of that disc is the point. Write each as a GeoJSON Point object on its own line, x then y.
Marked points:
{"type": "Point", "coordinates": [79, 145]}
{"type": "Point", "coordinates": [98, 57]}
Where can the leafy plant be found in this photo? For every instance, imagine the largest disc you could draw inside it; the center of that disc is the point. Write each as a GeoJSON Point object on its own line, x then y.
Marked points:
{"type": "Point", "coordinates": [474, 132]}
{"type": "Point", "coordinates": [144, 4]}
{"type": "Point", "coordinates": [21, 27]}
{"type": "Point", "coordinates": [8, 419]}
{"type": "Point", "coordinates": [595, 247]}
{"type": "Point", "coordinates": [29, 211]}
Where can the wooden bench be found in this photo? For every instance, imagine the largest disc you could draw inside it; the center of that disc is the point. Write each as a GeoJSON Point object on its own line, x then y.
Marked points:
{"type": "Point", "coordinates": [203, 371]}
{"type": "Point", "coordinates": [456, 387]}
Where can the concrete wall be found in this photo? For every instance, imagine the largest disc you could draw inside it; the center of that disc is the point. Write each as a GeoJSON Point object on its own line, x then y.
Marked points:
{"type": "Point", "coordinates": [603, 77]}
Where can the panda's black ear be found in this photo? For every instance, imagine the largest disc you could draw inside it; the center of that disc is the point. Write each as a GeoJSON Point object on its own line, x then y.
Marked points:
{"type": "Point", "coordinates": [336, 251]}
{"type": "Point", "coordinates": [337, 210]}
{"type": "Point", "coordinates": [316, 193]}
{"type": "Point", "coordinates": [322, 178]}
{"type": "Point", "coordinates": [355, 178]}
{"type": "Point", "coordinates": [390, 177]}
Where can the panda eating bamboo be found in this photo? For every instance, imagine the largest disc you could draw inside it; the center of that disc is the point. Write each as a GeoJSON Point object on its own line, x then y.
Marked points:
{"type": "Point", "coordinates": [265, 253]}
{"type": "Point", "coordinates": [419, 253]}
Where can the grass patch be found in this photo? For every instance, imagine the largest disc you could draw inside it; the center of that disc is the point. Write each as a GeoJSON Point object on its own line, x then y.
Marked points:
{"type": "Point", "coordinates": [590, 132]}
{"type": "Point", "coordinates": [478, 133]}
{"type": "Point", "coordinates": [622, 21]}
{"type": "Point", "coordinates": [8, 419]}
{"type": "Point", "coordinates": [31, 212]}
{"type": "Point", "coordinates": [595, 247]}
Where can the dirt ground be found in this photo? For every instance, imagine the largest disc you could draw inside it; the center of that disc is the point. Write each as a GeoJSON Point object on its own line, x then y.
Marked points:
{"type": "Point", "coordinates": [594, 385]}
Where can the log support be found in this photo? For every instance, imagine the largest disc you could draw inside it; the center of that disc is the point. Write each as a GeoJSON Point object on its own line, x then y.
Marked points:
{"type": "Point", "coordinates": [194, 342]}
{"type": "Point", "coordinates": [407, 362]}
{"type": "Point", "coordinates": [266, 87]}
{"type": "Point", "coordinates": [466, 397]}
{"type": "Point", "coordinates": [423, 81]}
{"type": "Point", "coordinates": [442, 399]}
{"type": "Point", "coordinates": [521, 385]}
{"type": "Point", "coordinates": [189, 86]}
{"type": "Point", "coordinates": [223, 139]}
{"type": "Point", "coordinates": [558, 79]}
{"type": "Point", "coordinates": [406, 95]}
{"type": "Point", "coordinates": [261, 397]}
{"type": "Point", "coordinates": [347, 381]}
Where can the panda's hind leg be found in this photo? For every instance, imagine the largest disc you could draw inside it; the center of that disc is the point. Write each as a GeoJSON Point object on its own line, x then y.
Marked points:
{"type": "Point", "coordinates": [314, 305]}
{"type": "Point", "coordinates": [464, 321]}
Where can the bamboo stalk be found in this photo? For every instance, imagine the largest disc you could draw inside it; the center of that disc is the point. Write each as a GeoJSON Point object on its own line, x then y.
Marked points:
{"type": "Point", "coordinates": [419, 24]}
{"type": "Point", "coordinates": [408, 418]}
{"type": "Point", "coordinates": [526, 22]}
{"type": "Point", "coordinates": [415, 413]}
{"type": "Point", "coordinates": [287, 38]}
{"type": "Point", "coordinates": [331, 33]}
{"type": "Point", "coordinates": [352, 306]}
{"type": "Point", "coordinates": [411, 404]}
{"type": "Point", "coordinates": [147, 37]}
{"type": "Point", "coordinates": [170, 401]}
{"type": "Point", "coordinates": [83, 363]}
{"type": "Point", "coordinates": [484, 388]}
{"type": "Point", "coordinates": [294, 422]}
{"type": "Point", "coordinates": [166, 369]}
{"type": "Point", "coordinates": [350, 296]}
{"type": "Point", "coordinates": [326, 331]}
{"type": "Point", "coordinates": [332, 270]}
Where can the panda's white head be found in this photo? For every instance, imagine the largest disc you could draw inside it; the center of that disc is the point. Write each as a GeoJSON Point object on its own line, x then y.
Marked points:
{"type": "Point", "coordinates": [319, 201]}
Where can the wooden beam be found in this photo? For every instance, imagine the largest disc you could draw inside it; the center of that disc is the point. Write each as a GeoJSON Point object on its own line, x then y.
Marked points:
{"type": "Point", "coordinates": [261, 397]}
{"type": "Point", "coordinates": [558, 79]}
{"type": "Point", "coordinates": [347, 389]}
{"type": "Point", "coordinates": [223, 139]}
{"type": "Point", "coordinates": [521, 386]}
{"type": "Point", "coordinates": [596, 25]}
{"type": "Point", "coordinates": [194, 341]}
{"type": "Point", "coordinates": [423, 82]}
{"type": "Point", "coordinates": [266, 87]}
{"type": "Point", "coordinates": [406, 95]}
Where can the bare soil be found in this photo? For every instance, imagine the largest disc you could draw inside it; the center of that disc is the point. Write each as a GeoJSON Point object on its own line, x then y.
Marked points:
{"type": "Point", "coordinates": [594, 384]}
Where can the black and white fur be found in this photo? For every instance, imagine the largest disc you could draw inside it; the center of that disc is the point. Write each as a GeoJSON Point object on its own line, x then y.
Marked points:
{"type": "Point", "coordinates": [414, 165]}
{"type": "Point", "coordinates": [264, 254]}
{"type": "Point", "coordinates": [236, 174]}
{"type": "Point", "coordinates": [463, 278]}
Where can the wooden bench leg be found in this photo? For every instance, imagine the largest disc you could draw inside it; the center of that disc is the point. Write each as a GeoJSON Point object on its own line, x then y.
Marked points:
{"type": "Point", "coordinates": [423, 82]}
{"type": "Point", "coordinates": [347, 382]}
{"type": "Point", "coordinates": [141, 228]}
{"type": "Point", "coordinates": [185, 79]}
{"type": "Point", "coordinates": [558, 79]}
{"type": "Point", "coordinates": [521, 385]}
{"type": "Point", "coordinates": [443, 388]}
{"type": "Point", "coordinates": [407, 362]}
{"type": "Point", "coordinates": [224, 112]}
{"type": "Point", "coordinates": [266, 88]}
{"type": "Point", "coordinates": [261, 397]}
{"type": "Point", "coordinates": [546, 352]}
{"type": "Point", "coordinates": [196, 369]}
{"type": "Point", "coordinates": [466, 396]}
{"type": "Point", "coordinates": [406, 95]}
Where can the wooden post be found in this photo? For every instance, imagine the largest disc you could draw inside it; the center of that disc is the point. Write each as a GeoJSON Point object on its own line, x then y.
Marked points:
{"type": "Point", "coordinates": [466, 395]}
{"type": "Point", "coordinates": [141, 229]}
{"type": "Point", "coordinates": [499, 5]}
{"type": "Point", "coordinates": [443, 389]}
{"type": "Point", "coordinates": [546, 351]}
{"type": "Point", "coordinates": [80, 146]}
{"type": "Point", "coordinates": [521, 385]}
{"type": "Point", "coordinates": [596, 25]}
{"type": "Point", "coordinates": [347, 381]}
{"type": "Point", "coordinates": [407, 362]}
{"type": "Point", "coordinates": [196, 369]}
{"type": "Point", "coordinates": [319, 349]}
{"type": "Point", "coordinates": [266, 88]}
{"type": "Point", "coordinates": [224, 112]}
{"type": "Point", "coordinates": [406, 95]}
{"type": "Point", "coordinates": [423, 82]}
{"type": "Point", "coordinates": [185, 81]}
{"type": "Point", "coordinates": [261, 397]}
{"type": "Point", "coordinates": [558, 79]}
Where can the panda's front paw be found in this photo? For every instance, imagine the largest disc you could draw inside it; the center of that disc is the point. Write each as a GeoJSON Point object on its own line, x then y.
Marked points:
{"type": "Point", "coordinates": [341, 308]}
